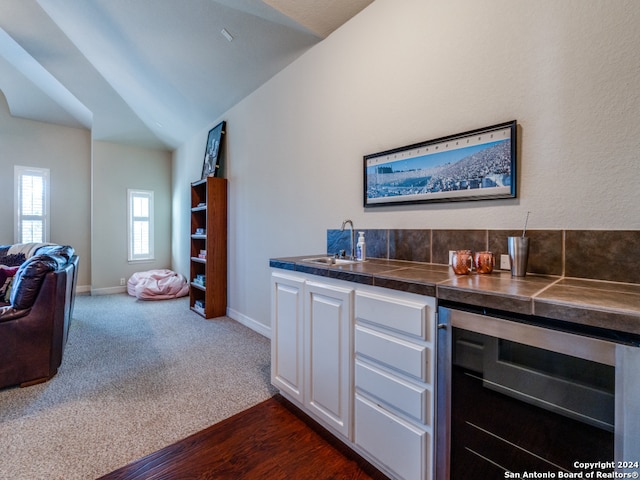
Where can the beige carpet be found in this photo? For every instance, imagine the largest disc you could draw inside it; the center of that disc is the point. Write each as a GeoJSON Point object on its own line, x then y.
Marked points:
{"type": "Point", "coordinates": [136, 376]}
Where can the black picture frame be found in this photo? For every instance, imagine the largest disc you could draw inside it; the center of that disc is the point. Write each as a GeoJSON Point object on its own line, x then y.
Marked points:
{"type": "Point", "coordinates": [475, 165]}
{"type": "Point", "coordinates": [211, 164]}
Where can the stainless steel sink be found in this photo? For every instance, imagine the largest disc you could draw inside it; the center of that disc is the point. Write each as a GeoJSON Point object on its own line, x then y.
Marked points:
{"type": "Point", "coordinates": [329, 261]}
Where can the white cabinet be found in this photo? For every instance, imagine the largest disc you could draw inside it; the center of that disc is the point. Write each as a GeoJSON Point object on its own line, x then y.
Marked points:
{"type": "Point", "coordinates": [360, 360]}
{"type": "Point", "coordinates": [287, 311]}
{"type": "Point", "coordinates": [327, 354]}
{"type": "Point", "coordinates": [394, 377]}
{"type": "Point", "coordinates": [311, 347]}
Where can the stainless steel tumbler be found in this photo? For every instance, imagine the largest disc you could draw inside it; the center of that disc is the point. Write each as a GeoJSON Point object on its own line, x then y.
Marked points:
{"type": "Point", "coordinates": [518, 255]}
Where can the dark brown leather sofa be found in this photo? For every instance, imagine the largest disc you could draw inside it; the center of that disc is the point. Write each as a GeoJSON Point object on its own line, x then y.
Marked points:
{"type": "Point", "coordinates": [34, 327]}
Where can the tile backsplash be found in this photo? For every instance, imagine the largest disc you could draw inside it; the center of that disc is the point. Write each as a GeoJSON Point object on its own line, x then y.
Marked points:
{"type": "Point", "coordinates": [594, 254]}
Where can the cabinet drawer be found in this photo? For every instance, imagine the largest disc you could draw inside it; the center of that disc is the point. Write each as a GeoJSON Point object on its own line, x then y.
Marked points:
{"type": "Point", "coordinates": [412, 400]}
{"type": "Point", "coordinates": [398, 445]}
{"type": "Point", "coordinates": [395, 313]}
{"type": "Point", "coordinates": [406, 357]}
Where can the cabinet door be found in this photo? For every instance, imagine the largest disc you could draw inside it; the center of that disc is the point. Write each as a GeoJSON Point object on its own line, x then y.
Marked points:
{"type": "Point", "coordinates": [328, 354]}
{"type": "Point", "coordinates": [287, 335]}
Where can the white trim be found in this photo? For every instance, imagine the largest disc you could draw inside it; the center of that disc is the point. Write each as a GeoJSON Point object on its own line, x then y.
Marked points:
{"type": "Point", "coordinates": [249, 322]}
{"type": "Point", "coordinates": [131, 195]}
{"type": "Point", "coordinates": [108, 290]}
{"type": "Point", "coordinates": [18, 172]}
{"type": "Point", "coordinates": [80, 289]}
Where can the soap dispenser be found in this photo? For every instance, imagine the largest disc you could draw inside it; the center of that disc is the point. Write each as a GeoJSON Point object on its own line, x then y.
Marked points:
{"type": "Point", "coordinates": [361, 247]}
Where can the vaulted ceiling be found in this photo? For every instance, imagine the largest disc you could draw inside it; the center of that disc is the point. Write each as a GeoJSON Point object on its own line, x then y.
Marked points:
{"type": "Point", "coordinates": [151, 72]}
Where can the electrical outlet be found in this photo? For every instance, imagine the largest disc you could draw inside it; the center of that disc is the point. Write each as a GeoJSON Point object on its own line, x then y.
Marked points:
{"type": "Point", "coordinates": [122, 281]}
{"type": "Point", "coordinates": [505, 263]}
{"type": "Point", "coordinates": [451, 252]}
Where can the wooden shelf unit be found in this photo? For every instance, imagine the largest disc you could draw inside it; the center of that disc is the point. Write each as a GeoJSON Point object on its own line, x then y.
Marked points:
{"type": "Point", "coordinates": [209, 212]}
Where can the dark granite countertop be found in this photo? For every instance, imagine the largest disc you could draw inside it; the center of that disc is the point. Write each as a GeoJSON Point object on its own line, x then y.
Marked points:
{"type": "Point", "coordinates": [609, 305]}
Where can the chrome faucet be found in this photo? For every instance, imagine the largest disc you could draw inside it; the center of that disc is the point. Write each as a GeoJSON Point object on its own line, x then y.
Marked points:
{"type": "Point", "coordinates": [353, 252]}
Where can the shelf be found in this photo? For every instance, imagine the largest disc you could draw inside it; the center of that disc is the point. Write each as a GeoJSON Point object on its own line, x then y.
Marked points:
{"type": "Point", "coordinates": [209, 214]}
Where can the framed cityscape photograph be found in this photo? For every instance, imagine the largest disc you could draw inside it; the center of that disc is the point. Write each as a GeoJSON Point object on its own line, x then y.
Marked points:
{"type": "Point", "coordinates": [475, 165]}
{"type": "Point", "coordinates": [211, 164]}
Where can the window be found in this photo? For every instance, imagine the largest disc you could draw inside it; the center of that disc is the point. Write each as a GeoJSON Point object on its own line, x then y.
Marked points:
{"type": "Point", "coordinates": [31, 204]}
{"type": "Point", "coordinates": [140, 225]}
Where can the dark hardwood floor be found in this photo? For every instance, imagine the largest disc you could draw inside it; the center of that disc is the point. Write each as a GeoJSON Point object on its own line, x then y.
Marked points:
{"type": "Point", "coordinates": [272, 440]}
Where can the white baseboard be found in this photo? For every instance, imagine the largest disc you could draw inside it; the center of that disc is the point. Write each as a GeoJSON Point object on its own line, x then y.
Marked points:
{"type": "Point", "coordinates": [249, 322]}
{"type": "Point", "coordinates": [108, 290]}
{"type": "Point", "coordinates": [82, 289]}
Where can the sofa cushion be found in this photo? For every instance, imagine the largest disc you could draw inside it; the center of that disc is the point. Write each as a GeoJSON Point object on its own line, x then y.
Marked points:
{"type": "Point", "coordinates": [29, 278]}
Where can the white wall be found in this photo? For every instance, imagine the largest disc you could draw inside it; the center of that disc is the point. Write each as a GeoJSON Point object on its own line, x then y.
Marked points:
{"type": "Point", "coordinates": [405, 71]}
{"type": "Point", "coordinates": [65, 152]}
{"type": "Point", "coordinates": [117, 168]}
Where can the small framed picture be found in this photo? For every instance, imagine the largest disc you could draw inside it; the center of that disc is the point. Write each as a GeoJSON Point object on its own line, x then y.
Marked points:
{"type": "Point", "coordinates": [211, 165]}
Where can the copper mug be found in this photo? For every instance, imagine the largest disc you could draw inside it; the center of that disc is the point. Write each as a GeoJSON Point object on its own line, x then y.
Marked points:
{"type": "Point", "coordinates": [462, 262]}
{"type": "Point", "coordinates": [484, 262]}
